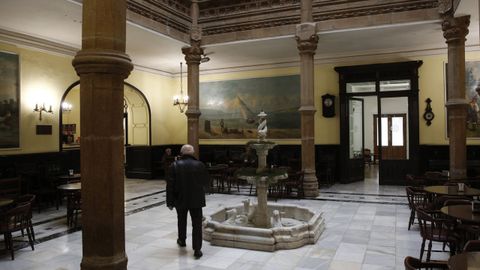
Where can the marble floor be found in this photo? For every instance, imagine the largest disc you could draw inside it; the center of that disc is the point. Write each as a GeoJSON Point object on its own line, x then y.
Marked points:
{"type": "Point", "coordinates": [360, 234]}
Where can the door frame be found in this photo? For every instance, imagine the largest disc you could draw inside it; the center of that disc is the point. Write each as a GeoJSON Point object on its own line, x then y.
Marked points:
{"type": "Point", "coordinates": [390, 172]}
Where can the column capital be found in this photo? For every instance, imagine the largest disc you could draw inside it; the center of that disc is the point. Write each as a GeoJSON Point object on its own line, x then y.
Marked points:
{"type": "Point", "coordinates": [102, 61]}
{"type": "Point", "coordinates": [193, 54]}
{"type": "Point", "coordinates": [307, 39]}
{"type": "Point", "coordinates": [455, 28]}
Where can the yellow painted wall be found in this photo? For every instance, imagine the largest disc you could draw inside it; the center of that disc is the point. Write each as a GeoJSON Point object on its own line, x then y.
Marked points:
{"type": "Point", "coordinates": [45, 77]}
{"type": "Point", "coordinates": [168, 124]}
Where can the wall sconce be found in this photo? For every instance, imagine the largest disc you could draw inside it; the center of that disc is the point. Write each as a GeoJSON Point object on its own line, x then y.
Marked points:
{"type": "Point", "coordinates": [66, 107]}
{"type": "Point", "coordinates": [41, 109]}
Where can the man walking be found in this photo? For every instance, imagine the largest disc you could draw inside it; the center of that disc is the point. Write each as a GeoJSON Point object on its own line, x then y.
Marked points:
{"type": "Point", "coordinates": [186, 186]}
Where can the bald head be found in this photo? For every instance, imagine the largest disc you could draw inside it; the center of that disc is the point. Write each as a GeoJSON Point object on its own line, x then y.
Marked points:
{"type": "Point", "coordinates": [187, 149]}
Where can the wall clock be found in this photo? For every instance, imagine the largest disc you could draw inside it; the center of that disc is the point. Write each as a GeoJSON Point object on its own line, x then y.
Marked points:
{"type": "Point", "coordinates": [328, 105]}
{"type": "Point", "coordinates": [428, 115]}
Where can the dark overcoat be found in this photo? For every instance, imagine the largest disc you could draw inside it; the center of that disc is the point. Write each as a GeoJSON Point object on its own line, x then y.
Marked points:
{"type": "Point", "coordinates": [187, 182]}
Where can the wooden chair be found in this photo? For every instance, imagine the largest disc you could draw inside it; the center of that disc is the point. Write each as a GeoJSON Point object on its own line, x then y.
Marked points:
{"type": "Point", "coordinates": [435, 229]}
{"type": "Point", "coordinates": [472, 246]}
{"type": "Point", "coordinates": [294, 182]}
{"type": "Point", "coordinates": [414, 263]}
{"type": "Point", "coordinates": [74, 206]}
{"type": "Point", "coordinates": [414, 181]}
{"type": "Point", "coordinates": [27, 199]}
{"type": "Point", "coordinates": [417, 198]}
{"type": "Point", "coordinates": [367, 156]}
{"type": "Point", "coordinates": [434, 178]}
{"type": "Point", "coordinates": [16, 219]}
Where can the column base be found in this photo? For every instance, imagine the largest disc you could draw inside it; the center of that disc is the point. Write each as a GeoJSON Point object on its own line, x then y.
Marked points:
{"type": "Point", "coordinates": [310, 184]}
{"type": "Point", "coordinates": [105, 263]}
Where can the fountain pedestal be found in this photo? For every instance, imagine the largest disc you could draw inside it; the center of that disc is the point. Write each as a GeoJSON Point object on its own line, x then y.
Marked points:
{"type": "Point", "coordinates": [294, 226]}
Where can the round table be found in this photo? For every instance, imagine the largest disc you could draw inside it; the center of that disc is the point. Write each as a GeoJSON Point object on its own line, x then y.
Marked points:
{"type": "Point", "coordinates": [461, 212]}
{"type": "Point", "coordinates": [70, 187]}
{"type": "Point", "coordinates": [453, 191]}
{"type": "Point", "coordinates": [5, 202]}
{"type": "Point", "coordinates": [465, 261]}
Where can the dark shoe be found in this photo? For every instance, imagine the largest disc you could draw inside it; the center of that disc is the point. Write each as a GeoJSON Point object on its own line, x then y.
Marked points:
{"type": "Point", "coordinates": [181, 243]}
{"type": "Point", "coordinates": [197, 254]}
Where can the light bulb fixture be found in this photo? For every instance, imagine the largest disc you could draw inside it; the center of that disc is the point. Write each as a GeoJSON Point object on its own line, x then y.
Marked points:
{"type": "Point", "coordinates": [181, 100]}
{"type": "Point", "coordinates": [42, 108]}
{"type": "Point", "coordinates": [66, 107]}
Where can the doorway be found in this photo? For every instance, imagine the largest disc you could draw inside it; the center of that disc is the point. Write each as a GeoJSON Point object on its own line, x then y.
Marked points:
{"type": "Point", "coordinates": [389, 121]}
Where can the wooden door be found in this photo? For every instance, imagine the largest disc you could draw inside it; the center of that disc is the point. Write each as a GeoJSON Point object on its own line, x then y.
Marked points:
{"type": "Point", "coordinates": [393, 136]}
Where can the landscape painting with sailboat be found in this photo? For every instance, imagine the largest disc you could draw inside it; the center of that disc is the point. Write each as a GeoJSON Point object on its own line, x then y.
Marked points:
{"type": "Point", "coordinates": [230, 108]}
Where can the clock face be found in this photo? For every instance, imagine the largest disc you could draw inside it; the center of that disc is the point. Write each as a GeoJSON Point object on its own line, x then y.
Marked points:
{"type": "Point", "coordinates": [328, 102]}
{"type": "Point", "coordinates": [428, 116]}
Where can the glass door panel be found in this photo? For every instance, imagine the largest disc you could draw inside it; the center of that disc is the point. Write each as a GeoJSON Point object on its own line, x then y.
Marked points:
{"type": "Point", "coordinates": [356, 128]}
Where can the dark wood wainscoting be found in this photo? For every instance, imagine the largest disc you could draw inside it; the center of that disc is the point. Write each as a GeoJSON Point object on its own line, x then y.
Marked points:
{"type": "Point", "coordinates": [394, 171]}
{"type": "Point", "coordinates": [326, 156]}
{"type": "Point", "coordinates": [35, 168]}
{"type": "Point", "coordinates": [436, 158]}
{"type": "Point", "coordinates": [145, 162]}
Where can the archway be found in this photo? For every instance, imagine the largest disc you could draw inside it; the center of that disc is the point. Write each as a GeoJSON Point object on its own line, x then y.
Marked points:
{"type": "Point", "coordinates": [137, 115]}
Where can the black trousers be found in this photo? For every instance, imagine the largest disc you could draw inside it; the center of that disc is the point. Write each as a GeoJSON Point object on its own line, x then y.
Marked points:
{"type": "Point", "coordinates": [196, 216]}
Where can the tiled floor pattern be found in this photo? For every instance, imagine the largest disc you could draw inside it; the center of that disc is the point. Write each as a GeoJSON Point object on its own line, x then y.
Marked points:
{"type": "Point", "coordinates": [358, 236]}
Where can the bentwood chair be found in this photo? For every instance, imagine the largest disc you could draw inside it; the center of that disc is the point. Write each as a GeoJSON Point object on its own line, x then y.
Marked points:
{"type": "Point", "coordinates": [417, 198]}
{"type": "Point", "coordinates": [27, 199]}
{"type": "Point", "coordinates": [436, 229]}
{"type": "Point", "coordinates": [13, 220]}
{"type": "Point", "coordinates": [294, 183]}
{"type": "Point", "coordinates": [414, 263]}
{"type": "Point", "coordinates": [74, 206]}
{"type": "Point", "coordinates": [472, 246]}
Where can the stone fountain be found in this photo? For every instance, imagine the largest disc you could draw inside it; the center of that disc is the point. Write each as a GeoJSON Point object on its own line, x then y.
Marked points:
{"type": "Point", "coordinates": [263, 226]}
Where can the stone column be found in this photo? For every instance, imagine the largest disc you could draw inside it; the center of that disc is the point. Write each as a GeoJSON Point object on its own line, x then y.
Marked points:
{"type": "Point", "coordinates": [455, 30]}
{"type": "Point", "coordinates": [307, 40]}
{"type": "Point", "coordinates": [193, 54]}
{"type": "Point", "coordinates": [102, 66]}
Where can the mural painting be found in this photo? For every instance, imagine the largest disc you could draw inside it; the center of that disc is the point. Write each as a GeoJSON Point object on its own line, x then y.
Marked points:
{"type": "Point", "coordinates": [9, 100]}
{"type": "Point", "coordinates": [230, 108]}
{"type": "Point", "coordinates": [472, 93]}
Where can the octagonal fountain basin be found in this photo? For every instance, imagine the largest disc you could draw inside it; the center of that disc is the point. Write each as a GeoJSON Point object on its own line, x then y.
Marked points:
{"type": "Point", "coordinates": [292, 227]}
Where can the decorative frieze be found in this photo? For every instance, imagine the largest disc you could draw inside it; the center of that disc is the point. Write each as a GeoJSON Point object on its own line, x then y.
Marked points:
{"type": "Point", "coordinates": [228, 16]}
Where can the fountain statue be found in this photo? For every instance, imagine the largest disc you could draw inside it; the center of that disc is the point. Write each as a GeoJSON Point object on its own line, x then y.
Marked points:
{"type": "Point", "coordinates": [263, 226]}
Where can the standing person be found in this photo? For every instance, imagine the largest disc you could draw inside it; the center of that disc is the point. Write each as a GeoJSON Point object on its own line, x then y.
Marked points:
{"type": "Point", "coordinates": [186, 192]}
{"type": "Point", "coordinates": [167, 160]}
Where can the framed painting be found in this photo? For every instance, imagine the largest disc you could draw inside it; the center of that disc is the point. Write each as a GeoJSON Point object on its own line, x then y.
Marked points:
{"type": "Point", "coordinates": [472, 94]}
{"type": "Point", "coordinates": [230, 108]}
{"type": "Point", "coordinates": [9, 100]}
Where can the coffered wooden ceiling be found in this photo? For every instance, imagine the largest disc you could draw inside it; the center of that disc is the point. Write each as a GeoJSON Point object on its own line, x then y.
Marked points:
{"type": "Point", "coordinates": [244, 33]}
{"type": "Point", "coordinates": [233, 20]}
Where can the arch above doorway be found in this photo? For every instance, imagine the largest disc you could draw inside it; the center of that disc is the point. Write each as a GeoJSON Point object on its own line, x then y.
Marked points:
{"type": "Point", "coordinates": [137, 117]}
